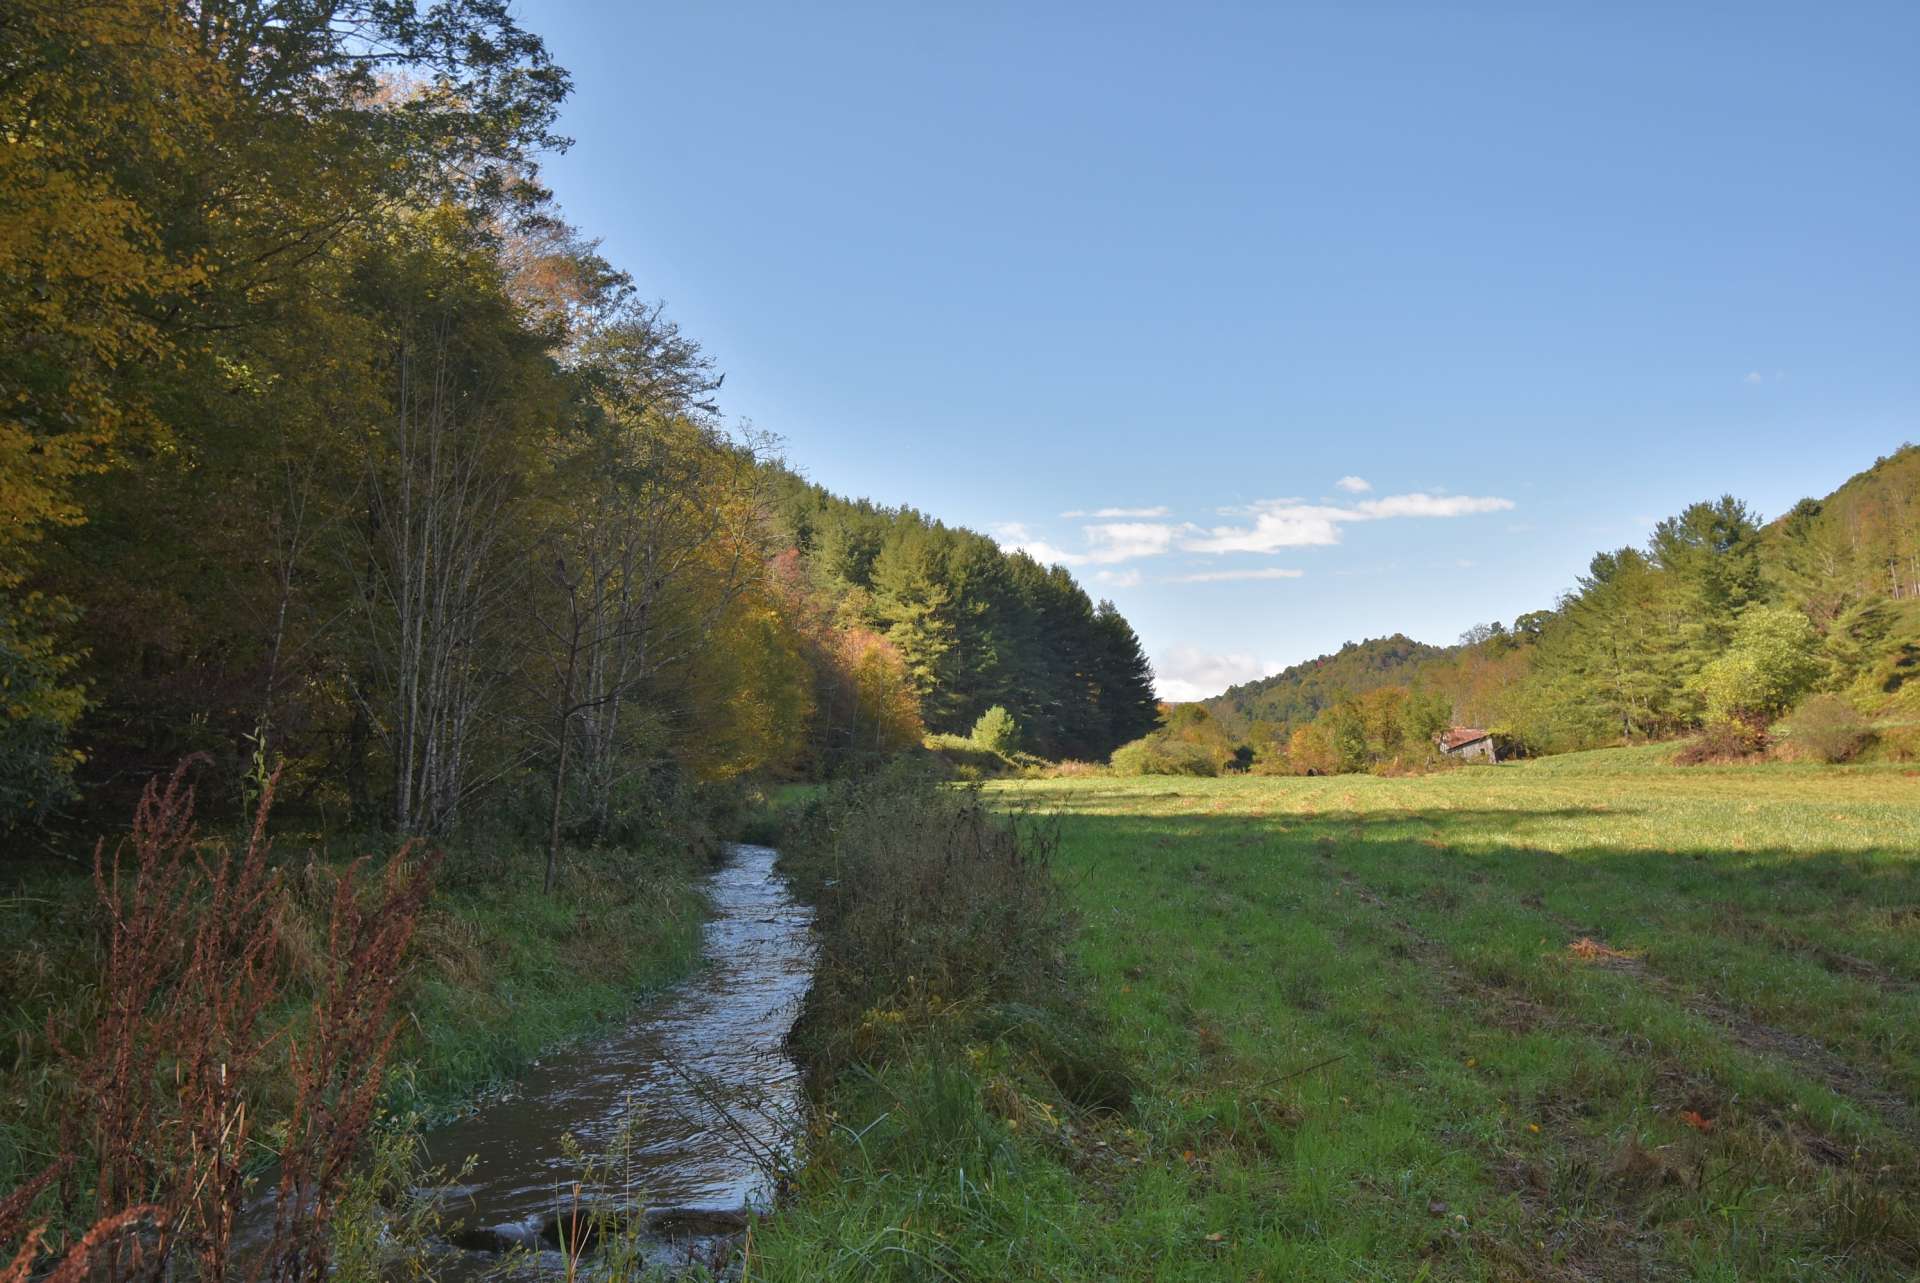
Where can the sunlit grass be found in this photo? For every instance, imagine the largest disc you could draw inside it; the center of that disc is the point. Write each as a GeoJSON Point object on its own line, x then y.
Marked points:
{"type": "Point", "coordinates": [1367, 1051]}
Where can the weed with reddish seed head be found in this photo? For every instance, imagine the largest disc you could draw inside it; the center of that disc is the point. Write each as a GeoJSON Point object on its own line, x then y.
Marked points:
{"type": "Point", "coordinates": [180, 1051]}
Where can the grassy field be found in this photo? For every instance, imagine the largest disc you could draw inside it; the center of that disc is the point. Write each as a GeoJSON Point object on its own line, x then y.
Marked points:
{"type": "Point", "coordinates": [1588, 1018]}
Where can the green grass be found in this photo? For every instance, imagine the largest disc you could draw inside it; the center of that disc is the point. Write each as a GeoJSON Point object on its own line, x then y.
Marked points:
{"type": "Point", "coordinates": [1366, 1051]}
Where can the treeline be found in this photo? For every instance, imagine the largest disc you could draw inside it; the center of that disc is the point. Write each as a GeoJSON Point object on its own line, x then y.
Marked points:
{"type": "Point", "coordinates": [328, 446]}
{"type": "Point", "coordinates": [1296, 695]}
{"type": "Point", "coordinates": [1719, 624]}
{"type": "Point", "coordinates": [975, 626]}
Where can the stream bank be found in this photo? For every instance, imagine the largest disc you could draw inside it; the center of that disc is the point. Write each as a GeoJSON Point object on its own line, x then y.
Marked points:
{"type": "Point", "coordinates": [675, 1125]}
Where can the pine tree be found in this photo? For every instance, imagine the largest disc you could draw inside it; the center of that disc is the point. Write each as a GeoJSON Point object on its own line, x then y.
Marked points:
{"type": "Point", "coordinates": [1124, 681]}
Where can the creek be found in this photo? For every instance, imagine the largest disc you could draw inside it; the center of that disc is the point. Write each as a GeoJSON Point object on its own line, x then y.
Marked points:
{"type": "Point", "coordinates": [676, 1126]}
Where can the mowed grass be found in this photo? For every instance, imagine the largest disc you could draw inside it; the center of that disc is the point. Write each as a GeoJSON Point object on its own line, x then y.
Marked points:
{"type": "Point", "coordinates": [1589, 1018]}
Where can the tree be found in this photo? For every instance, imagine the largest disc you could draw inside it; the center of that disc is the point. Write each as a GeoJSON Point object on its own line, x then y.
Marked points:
{"type": "Point", "coordinates": [1123, 681]}
{"type": "Point", "coordinates": [913, 605]}
{"type": "Point", "coordinates": [436, 577]}
{"type": "Point", "coordinates": [1310, 751]}
{"type": "Point", "coordinates": [36, 766]}
{"type": "Point", "coordinates": [93, 96]}
{"type": "Point", "coordinates": [1774, 659]}
{"type": "Point", "coordinates": [997, 732]}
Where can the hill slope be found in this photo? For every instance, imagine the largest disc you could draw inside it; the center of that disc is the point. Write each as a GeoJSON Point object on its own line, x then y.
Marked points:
{"type": "Point", "coordinates": [1297, 694]}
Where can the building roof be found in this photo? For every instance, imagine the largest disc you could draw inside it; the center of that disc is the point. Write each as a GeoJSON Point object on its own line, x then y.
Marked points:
{"type": "Point", "coordinates": [1460, 737]}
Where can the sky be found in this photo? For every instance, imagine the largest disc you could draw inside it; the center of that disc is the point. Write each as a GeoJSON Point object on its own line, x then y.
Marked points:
{"type": "Point", "coordinates": [1280, 325]}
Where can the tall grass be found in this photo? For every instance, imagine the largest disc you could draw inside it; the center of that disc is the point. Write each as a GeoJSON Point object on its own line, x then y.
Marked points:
{"type": "Point", "coordinates": [496, 974]}
{"type": "Point", "coordinates": [946, 1031]}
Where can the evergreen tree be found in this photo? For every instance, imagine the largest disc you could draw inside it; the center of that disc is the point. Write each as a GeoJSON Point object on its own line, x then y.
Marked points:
{"type": "Point", "coordinates": [1123, 679]}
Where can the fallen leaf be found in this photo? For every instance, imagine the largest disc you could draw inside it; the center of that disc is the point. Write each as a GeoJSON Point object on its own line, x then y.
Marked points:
{"type": "Point", "coordinates": [1436, 1208]}
{"type": "Point", "coordinates": [1695, 1120]}
{"type": "Point", "coordinates": [1587, 949]}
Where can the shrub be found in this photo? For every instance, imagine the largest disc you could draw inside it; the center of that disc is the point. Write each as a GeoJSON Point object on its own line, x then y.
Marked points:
{"type": "Point", "coordinates": [1157, 756]}
{"type": "Point", "coordinates": [963, 759]}
{"type": "Point", "coordinates": [1827, 729]}
{"type": "Point", "coordinates": [37, 710]}
{"type": "Point", "coordinates": [997, 732]}
{"type": "Point", "coordinates": [1900, 743]}
{"type": "Point", "coordinates": [928, 904]}
{"type": "Point", "coordinates": [1723, 739]}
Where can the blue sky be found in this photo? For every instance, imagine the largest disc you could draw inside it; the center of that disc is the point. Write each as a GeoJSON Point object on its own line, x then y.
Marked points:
{"type": "Point", "coordinates": [1357, 318]}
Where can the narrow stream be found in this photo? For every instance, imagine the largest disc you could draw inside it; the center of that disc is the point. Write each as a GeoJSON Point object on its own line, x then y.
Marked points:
{"type": "Point", "coordinates": [681, 1108]}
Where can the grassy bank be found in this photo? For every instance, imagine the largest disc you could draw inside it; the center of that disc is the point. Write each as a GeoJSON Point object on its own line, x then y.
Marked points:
{"type": "Point", "coordinates": [499, 972]}
{"type": "Point", "coordinates": [1594, 1017]}
{"type": "Point", "coordinates": [946, 1016]}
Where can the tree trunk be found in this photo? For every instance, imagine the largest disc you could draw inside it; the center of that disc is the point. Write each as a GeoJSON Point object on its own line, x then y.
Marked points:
{"type": "Point", "coordinates": [558, 800]}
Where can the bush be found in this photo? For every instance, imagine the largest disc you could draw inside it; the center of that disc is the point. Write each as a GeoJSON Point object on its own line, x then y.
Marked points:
{"type": "Point", "coordinates": [1723, 739]}
{"type": "Point", "coordinates": [962, 759]}
{"type": "Point", "coordinates": [932, 910]}
{"type": "Point", "coordinates": [36, 765]}
{"type": "Point", "coordinates": [997, 732]}
{"type": "Point", "coordinates": [1157, 756]}
{"type": "Point", "coordinates": [1900, 743]}
{"type": "Point", "coordinates": [1827, 729]}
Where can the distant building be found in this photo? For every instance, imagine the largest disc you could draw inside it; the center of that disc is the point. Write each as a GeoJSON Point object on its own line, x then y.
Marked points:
{"type": "Point", "coordinates": [1468, 744]}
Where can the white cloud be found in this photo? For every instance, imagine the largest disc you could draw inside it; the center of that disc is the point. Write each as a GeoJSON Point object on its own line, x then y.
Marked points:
{"type": "Point", "coordinates": [1764, 376]}
{"type": "Point", "coordinates": [1186, 672]}
{"type": "Point", "coordinates": [1277, 526]}
{"type": "Point", "coordinates": [1754, 376]}
{"type": "Point", "coordinates": [1015, 537]}
{"type": "Point", "coordinates": [1288, 523]}
{"type": "Point", "coordinates": [1223, 576]}
{"type": "Point", "coordinates": [1108, 542]}
{"type": "Point", "coordinates": [1354, 485]}
{"type": "Point", "coordinates": [1117, 578]}
{"type": "Point", "coordinates": [1430, 505]}
{"type": "Point", "coordinates": [1119, 512]}
{"type": "Point", "coordinates": [1124, 540]}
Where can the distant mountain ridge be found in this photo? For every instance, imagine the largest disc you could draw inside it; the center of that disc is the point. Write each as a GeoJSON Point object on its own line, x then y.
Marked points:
{"type": "Point", "coordinates": [1849, 560]}
{"type": "Point", "coordinates": [1297, 694]}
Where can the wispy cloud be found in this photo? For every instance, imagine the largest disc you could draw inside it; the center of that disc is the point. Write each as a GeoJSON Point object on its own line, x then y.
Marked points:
{"type": "Point", "coordinates": [1285, 526]}
{"type": "Point", "coordinates": [1354, 485]}
{"type": "Point", "coordinates": [1118, 512]}
{"type": "Point", "coordinates": [1186, 672]}
{"type": "Point", "coordinates": [1130, 534]}
{"type": "Point", "coordinates": [1430, 505]}
{"type": "Point", "coordinates": [1764, 376]}
{"type": "Point", "coordinates": [1225, 576]}
{"type": "Point", "coordinates": [1118, 578]}
{"type": "Point", "coordinates": [1108, 542]}
{"type": "Point", "coordinates": [1288, 523]}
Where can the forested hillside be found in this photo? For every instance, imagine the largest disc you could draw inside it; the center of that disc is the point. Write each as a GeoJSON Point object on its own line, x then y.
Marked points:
{"type": "Point", "coordinates": [1717, 622]}
{"type": "Point", "coordinates": [1299, 693]}
{"type": "Point", "coordinates": [328, 446]}
{"type": "Point", "coordinates": [975, 626]}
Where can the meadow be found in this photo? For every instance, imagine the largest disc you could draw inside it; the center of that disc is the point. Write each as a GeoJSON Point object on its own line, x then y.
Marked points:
{"type": "Point", "coordinates": [1592, 1017]}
